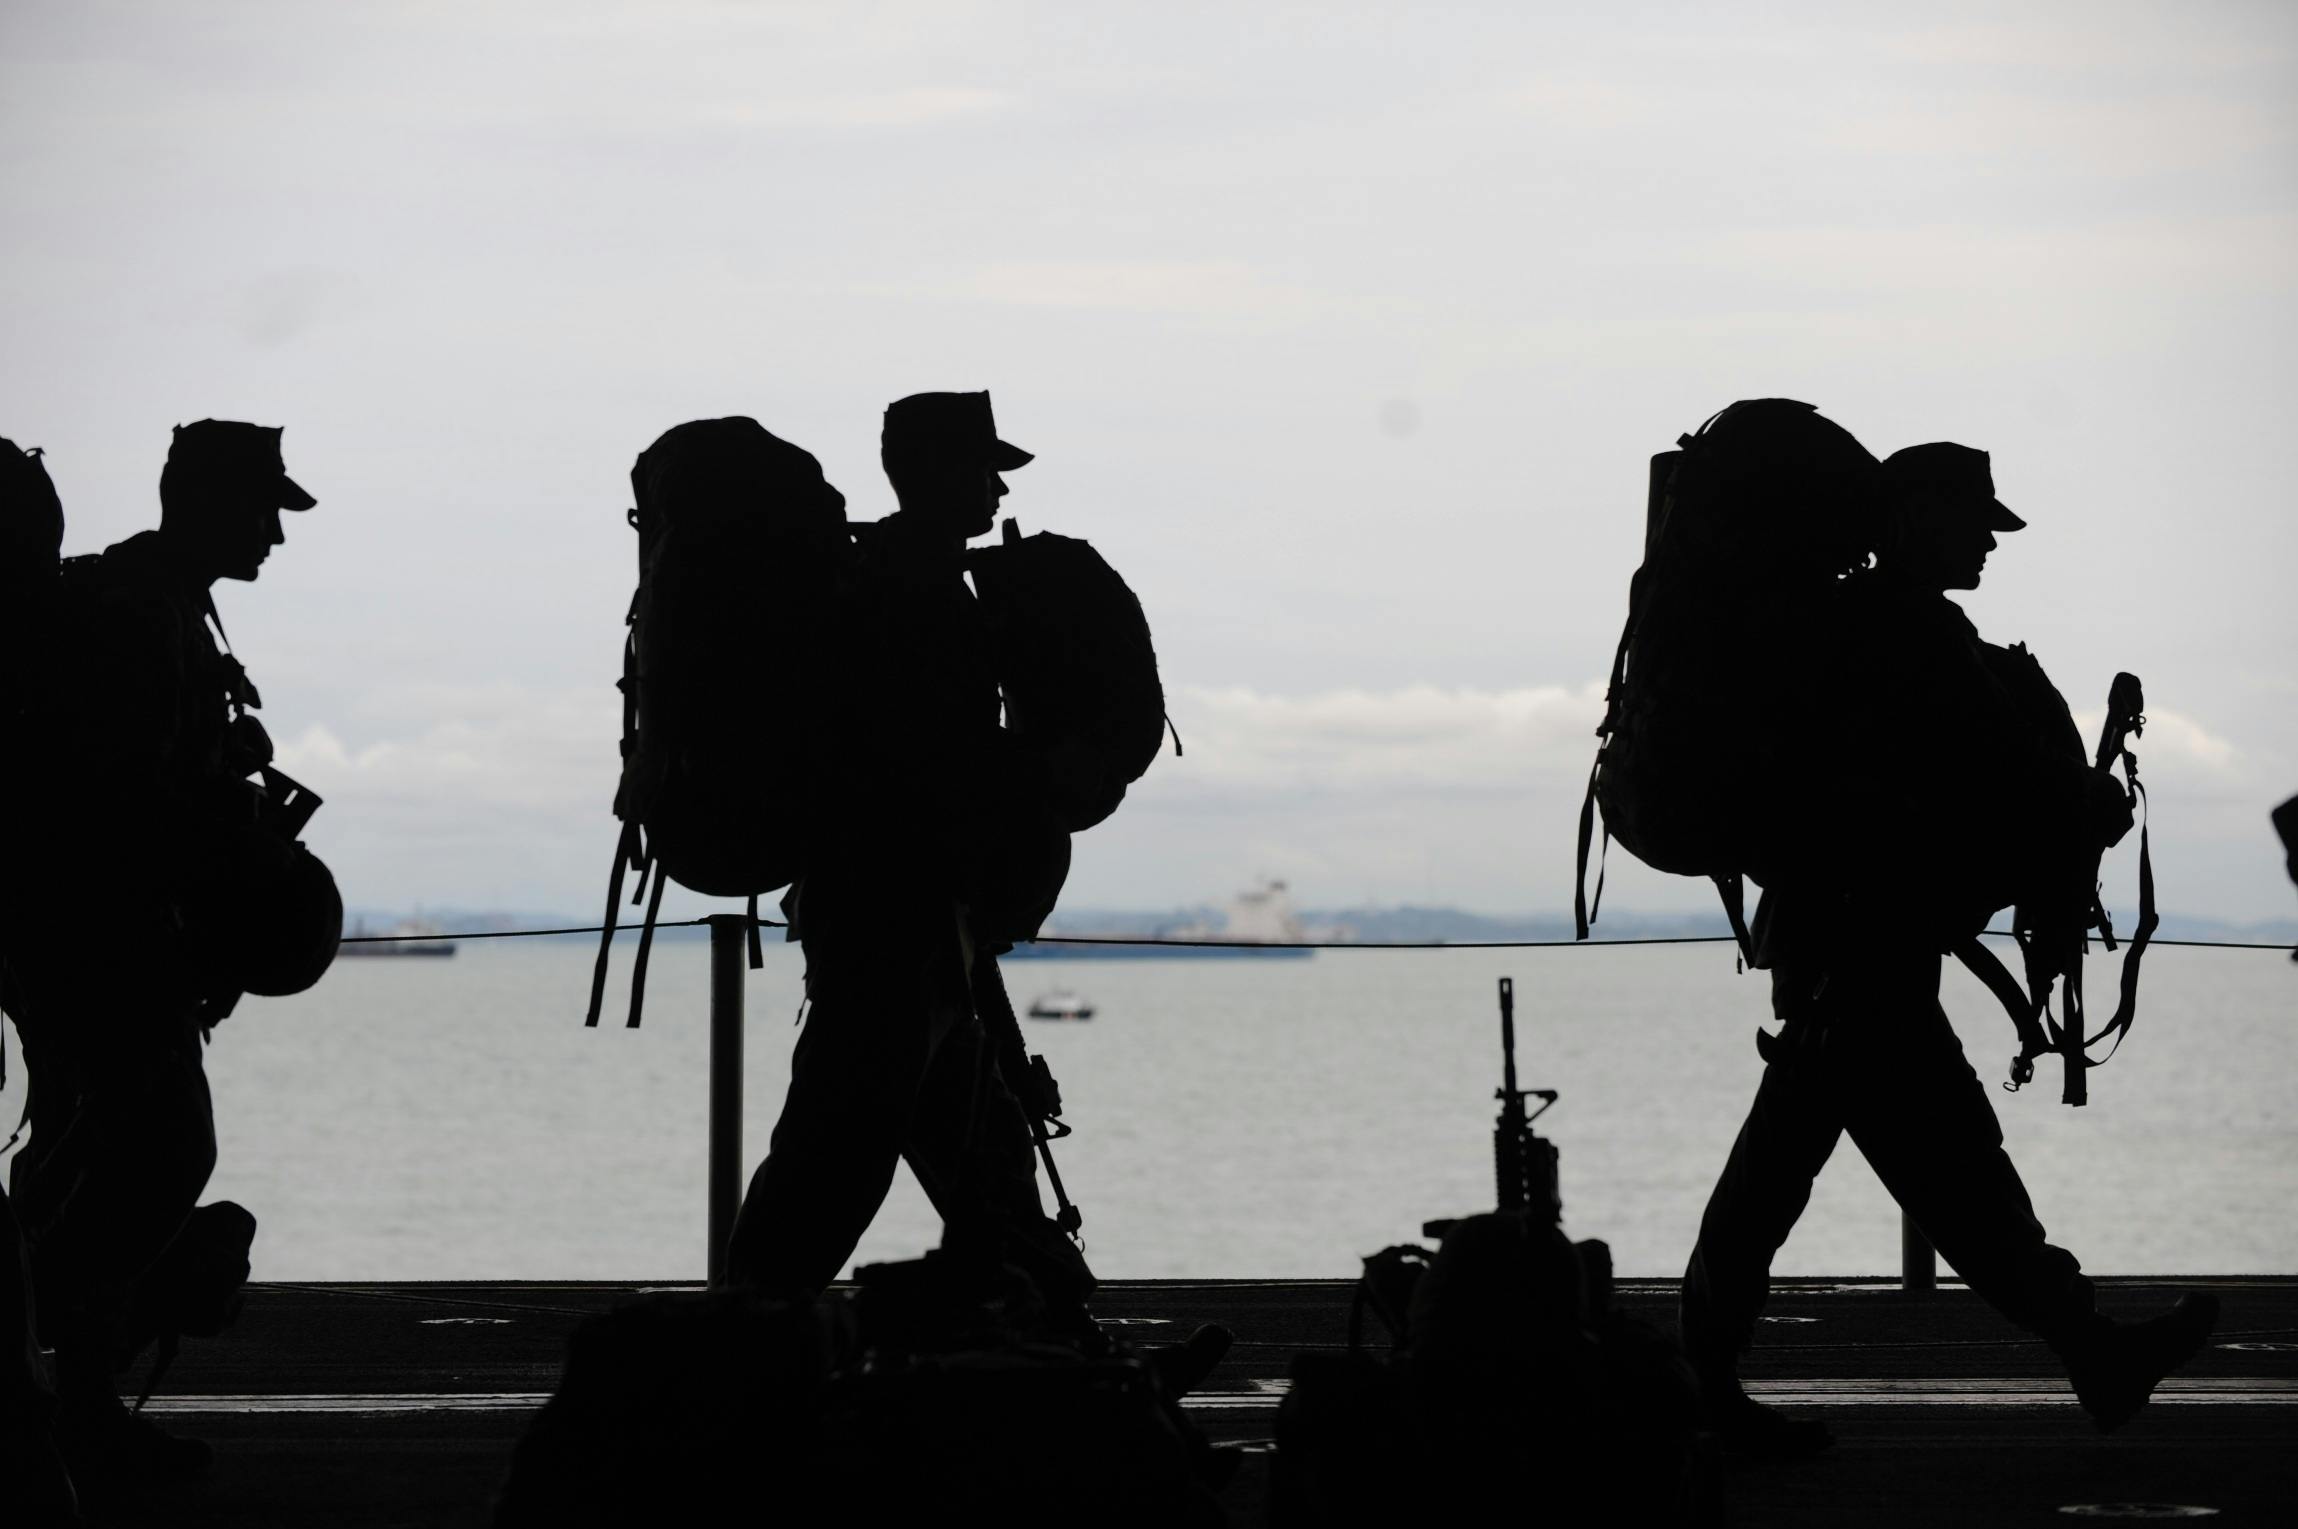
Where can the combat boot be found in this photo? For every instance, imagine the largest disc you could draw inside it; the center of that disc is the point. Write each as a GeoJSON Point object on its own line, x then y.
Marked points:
{"type": "Point", "coordinates": [2115, 1368]}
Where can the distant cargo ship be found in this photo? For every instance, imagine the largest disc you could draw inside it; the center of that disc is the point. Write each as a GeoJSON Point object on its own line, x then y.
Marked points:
{"type": "Point", "coordinates": [1259, 925]}
{"type": "Point", "coordinates": [403, 939]}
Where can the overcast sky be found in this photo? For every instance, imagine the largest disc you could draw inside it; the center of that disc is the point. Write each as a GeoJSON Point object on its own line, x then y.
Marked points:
{"type": "Point", "coordinates": [1343, 330]}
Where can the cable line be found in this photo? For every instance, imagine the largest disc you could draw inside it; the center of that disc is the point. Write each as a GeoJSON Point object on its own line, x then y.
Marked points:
{"type": "Point", "coordinates": [1192, 943]}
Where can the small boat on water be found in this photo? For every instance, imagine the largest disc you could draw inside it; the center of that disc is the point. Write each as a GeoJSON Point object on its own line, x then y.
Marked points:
{"type": "Point", "coordinates": [1061, 1003]}
{"type": "Point", "coordinates": [404, 939]}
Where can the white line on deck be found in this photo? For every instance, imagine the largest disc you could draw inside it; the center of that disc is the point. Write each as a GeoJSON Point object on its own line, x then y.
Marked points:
{"type": "Point", "coordinates": [1979, 1392]}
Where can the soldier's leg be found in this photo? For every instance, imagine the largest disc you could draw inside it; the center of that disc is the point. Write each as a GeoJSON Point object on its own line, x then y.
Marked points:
{"type": "Point", "coordinates": [1928, 1128]}
{"type": "Point", "coordinates": [1790, 1130]}
{"type": "Point", "coordinates": [970, 1146]}
{"type": "Point", "coordinates": [854, 1081]}
{"type": "Point", "coordinates": [130, 1143]}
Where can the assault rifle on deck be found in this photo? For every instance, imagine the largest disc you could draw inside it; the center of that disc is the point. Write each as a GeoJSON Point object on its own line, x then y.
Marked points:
{"type": "Point", "coordinates": [1523, 1161]}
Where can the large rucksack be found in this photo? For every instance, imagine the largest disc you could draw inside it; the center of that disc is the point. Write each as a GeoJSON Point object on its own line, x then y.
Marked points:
{"type": "Point", "coordinates": [1705, 768]}
{"type": "Point", "coordinates": [1078, 670]}
{"type": "Point", "coordinates": [742, 552]}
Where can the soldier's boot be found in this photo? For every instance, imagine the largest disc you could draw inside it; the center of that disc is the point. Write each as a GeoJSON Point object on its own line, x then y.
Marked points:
{"type": "Point", "coordinates": [2116, 1366]}
{"type": "Point", "coordinates": [1746, 1426]}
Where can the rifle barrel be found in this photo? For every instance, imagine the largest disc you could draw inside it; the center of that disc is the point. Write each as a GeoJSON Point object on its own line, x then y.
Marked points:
{"type": "Point", "coordinates": [1508, 1037]}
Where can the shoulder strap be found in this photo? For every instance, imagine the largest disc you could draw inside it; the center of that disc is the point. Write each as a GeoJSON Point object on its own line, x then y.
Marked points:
{"type": "Point", "coordinates": [645, 940]}
{"type": "Point", "coordinates": [2025, 1013]}
{"type": "Point", "coordinates": [1584, 908]}
{"type": "Point", "coordinates": [625, 854]}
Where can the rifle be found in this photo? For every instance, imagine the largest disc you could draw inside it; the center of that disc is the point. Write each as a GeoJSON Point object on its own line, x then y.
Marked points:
{"type": "Point", "coordinates": [1030, 1078]}
{"type": "Point", "coordinates": [1523, 1161]}
{"type": "Point", "coordinates": [2053, 942]}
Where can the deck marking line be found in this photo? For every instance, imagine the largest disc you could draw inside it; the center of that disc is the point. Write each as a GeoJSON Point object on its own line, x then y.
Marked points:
{"type": "Point", "coordinates": [1986, 1391]}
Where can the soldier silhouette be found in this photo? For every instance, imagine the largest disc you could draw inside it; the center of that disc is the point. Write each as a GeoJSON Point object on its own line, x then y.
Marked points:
{"type": "Point", "coordinates": [147, 837]}
{"type": "Point", "coordinates": [1931, 838]}
{"type": "Point", "coordinates": [925, 805]}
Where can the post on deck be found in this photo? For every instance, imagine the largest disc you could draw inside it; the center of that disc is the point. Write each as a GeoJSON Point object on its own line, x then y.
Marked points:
{"type": "Point", "coordinates": [1918, 1261]}
{"type": "Point", "coordinates": [729, 942]}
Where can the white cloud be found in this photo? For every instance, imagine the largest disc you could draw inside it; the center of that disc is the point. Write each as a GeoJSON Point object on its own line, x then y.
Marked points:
{"type": "Point", "coordinates": [1421, 739]}
{"type": "Point", "coordinates": [2178, 752]}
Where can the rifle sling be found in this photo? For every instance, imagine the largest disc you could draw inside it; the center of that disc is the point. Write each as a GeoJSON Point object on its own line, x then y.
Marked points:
{"type": "Point", "coordinates": [2126, 1006]}
{"type": "Point", "coordinates": [1983, 964]}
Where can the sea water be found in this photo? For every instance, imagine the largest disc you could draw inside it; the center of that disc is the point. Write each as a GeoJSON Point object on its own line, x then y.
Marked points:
{"type": "Point", "coordinates": [453, 1119]}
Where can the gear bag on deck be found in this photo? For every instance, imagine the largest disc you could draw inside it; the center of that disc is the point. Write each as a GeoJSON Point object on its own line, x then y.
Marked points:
{"type": "Point", "coordinates": [1704, 768]}
{"type": "Point", "coordinates": [742, 551]}
{"type": "Point", "coordinates": [1077, 667]}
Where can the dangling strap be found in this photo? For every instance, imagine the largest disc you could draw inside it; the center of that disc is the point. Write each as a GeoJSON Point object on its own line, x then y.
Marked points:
{"type": "Point", "coordinates": [625, 849]}
{"type": "Point", "coordinates": [1733, 890]}
{"type": "Point", "coordinates": [645, 949]}
{"type": "Point", "coordinates": [1996, 977]}
{"type": "Point", "coordinates": [1176, 732]}
{"type": "Point", "coordinates": [2040, 1026]}
{"type": "Point", "coordinates": [1584, 911]}
{"type": "Point", "coordinates": [2070, 1033]}
{"type": "Point", "coordinates": [243, 691]}
{"type": "Point", "coordinates": [757, 949]}
{"type": "Point", "coordinates": [2126, 1007]}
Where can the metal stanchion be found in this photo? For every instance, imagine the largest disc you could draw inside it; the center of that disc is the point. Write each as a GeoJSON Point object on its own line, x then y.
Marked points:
{"type": "Point", "coordinates": [729, 938]}
{"type": "Point", "coordinates": [1918, 1260]}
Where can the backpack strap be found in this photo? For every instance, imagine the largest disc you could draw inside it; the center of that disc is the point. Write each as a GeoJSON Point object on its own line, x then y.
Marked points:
{"type": "Point", "coordinates": [2126, 1005]}
{"type": "Point", "coordinates": [2025, 1016]}
{"type": "Point", "coordinates": [1584, 907]}
{"type": "Point", "coordinates": [625, 854]}
{"type": "Point", "coordinates": [1584, 910]}
{"type": "Point", "coordinates": [645, 943]}
{"type": "Point", "coordinates": [242, 689]}
{"type": "Point", "coordinates": [1733, 890]}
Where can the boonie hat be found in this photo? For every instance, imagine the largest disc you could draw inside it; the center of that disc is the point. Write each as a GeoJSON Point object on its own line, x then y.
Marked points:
{"type": "Point", "coordinates": [933, 424]}
{"type": "Point", "coordinates": [233, 451]}
{"type": "Point", "coordinates": [1957, 472]}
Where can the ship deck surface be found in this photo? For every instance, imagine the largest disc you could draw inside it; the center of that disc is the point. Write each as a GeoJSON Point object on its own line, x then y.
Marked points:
{"type": "Point", "coordinates": [397, 1404]}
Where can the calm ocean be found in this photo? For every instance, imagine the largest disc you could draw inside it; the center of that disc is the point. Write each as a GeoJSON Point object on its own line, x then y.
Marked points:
{"type": "Point", "coordinates": [452, 1119]}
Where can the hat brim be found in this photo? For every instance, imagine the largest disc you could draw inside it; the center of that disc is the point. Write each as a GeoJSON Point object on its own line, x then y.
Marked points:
{"type": "Point", "coordinates": [291, 495]}
{"type": "Point", "coordinates": [1004, 456]}
{"type": "Point", "coordinates": [2000, 518]}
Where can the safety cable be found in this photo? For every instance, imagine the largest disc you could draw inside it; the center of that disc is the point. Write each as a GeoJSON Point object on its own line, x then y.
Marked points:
{"type": "Point", "coordinates": [1184, 942]}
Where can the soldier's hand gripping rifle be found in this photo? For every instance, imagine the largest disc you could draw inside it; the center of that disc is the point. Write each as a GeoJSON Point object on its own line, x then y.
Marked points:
{"type": "Point", "coordinates": [2053, 938]}
{"type": "Point", "coordinates": [1030, 1078]}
